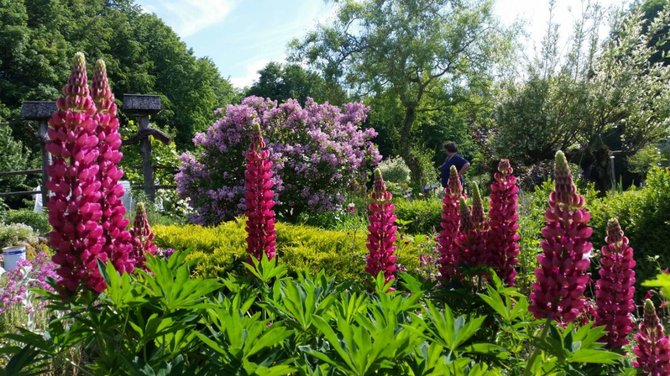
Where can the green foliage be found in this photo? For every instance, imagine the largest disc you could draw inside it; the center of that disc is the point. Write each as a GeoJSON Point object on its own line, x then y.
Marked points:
{"type": "Point", "coordinates": [263, 322]}
{"type": "Point", "coordinates": [396, 175]}
{"type": "Point", "coordinates": [412, 55]}
{"type": "Point", "coordinates": [644, 215]}
{"type": "Point", "coordinates": [14, 156]}
{"type": "Point", "coordinates": [419, 216]}
{"type": "Point", "coordinates": [142, 53]}
{"type": "Point", "coordinates": [16, 234]}
{"type": "Point", "coordinates": [220, 249]}
{"type": "Point", "coordinates": [38, 221]}
{"type": "Point", "coordinates": [645, 159]}
{"type": "Point", "coordinates": [291, 81]}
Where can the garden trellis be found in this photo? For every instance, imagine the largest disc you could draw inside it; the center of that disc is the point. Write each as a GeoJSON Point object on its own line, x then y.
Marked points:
{"type": "Point", "coordinates": [141, 106]}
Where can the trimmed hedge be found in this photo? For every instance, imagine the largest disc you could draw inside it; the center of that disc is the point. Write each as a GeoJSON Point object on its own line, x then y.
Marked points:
{"type": "Point", "coordinates": [220, 249]}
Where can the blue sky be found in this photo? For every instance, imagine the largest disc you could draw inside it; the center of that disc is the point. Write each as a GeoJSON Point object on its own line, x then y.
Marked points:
{"type": "Point", "coordinates": [241, 36]}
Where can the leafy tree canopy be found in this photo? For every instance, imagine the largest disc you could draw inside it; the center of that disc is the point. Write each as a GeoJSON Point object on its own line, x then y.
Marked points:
{"type": "Point", "coordinates": [142, 53]}
{"type": "Point", "coordinates": [284, 81]}
{"type": "Point", "coordinates": [401, 52]}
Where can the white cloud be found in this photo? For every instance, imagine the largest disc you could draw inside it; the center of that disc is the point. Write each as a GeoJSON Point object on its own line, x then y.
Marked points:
{"type": "Point", "coordinates": [191, 16]}
{"type": "Point", "coordinates": [251, 73]}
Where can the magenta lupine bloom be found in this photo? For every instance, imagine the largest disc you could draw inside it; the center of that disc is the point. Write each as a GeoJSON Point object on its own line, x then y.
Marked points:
{"type": "Point", "coordinates": [74, 208]}
{"type": "Point", "coordinates": [142, 237]}
{"type": "Point", "coordinates": [616, 287]}
{"type": "Point", "coordinates": [558, 293]}
{"type": "Point", "coordinates": [653, 346]}
{"type": "Point", "coordinates": [261, 236]}
{"type": "Point", "coordinates": [118, 243]}
{"type": "Point", "coordinates": [382, 231]}
{"type": "Point", "coordinates": [503, 237]}
{"type": "Point", "coordinates": [450, 225]}
{"type": "Point", "coordinates": [471, 241]}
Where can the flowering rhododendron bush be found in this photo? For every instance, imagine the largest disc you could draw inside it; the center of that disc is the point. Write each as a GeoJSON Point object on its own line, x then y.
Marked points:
{"type": "Point", "coordinates": [318, 153]}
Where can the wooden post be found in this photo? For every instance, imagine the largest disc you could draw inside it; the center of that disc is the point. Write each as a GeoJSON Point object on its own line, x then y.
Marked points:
{"type": "Point", "coordinates": [41, 111]}
{"type": "Point", "coordinates": [142, 106]}
{"type": "Point", "coordinates": [147, 167]}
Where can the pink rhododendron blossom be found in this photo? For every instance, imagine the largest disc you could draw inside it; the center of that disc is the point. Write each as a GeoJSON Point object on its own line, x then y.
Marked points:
{"type": "Point", "coordinates": [142, 237]}
{"type": "Point", "coordinates": [74, 207]}
{"type": "Point", "coordinates": [653, 346]}
{"type": "Point", "coordinates": [118, 243]}
{"type": "Point", "coordinates": [261, 236]}
{"type": "Point", "coordinates": [616, 287]}
{"type": "Point", "coordinates": [450, 224]}
{"type": "Point", "coordinates": [382, 231]}
{"type": "Point", "coordinates": [503, 237]}
{"type": "Point", "coordinates": [558, 293]}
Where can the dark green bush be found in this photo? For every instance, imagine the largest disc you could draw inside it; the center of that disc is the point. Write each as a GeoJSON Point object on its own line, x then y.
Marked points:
{"type": "Point", "coordinates": [644, 215]}
{"type": "Point", "coordinates": [38, 221]}
{"type": "Point", "coordinates": [419, 216]}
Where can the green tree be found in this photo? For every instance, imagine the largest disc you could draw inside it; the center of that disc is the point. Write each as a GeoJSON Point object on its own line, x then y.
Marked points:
{"type": "Point", "coordinates": [598, 93]}
{"type": "Point", "coordinates": [142, 53]}
{"type": "Point", "coordinates": [399, 50]}
{"type": "Point", "coordinates": [283, 81]}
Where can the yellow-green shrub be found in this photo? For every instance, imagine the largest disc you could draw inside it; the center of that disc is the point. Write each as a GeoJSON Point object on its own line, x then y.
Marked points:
{"type": "Point", "coordinates": [342, 254]}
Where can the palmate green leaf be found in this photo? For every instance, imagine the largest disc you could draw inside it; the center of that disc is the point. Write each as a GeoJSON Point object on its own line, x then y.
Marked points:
{"type": "Point", "coordinates": [334, 342]}
{"type": "Point", "coordinates": [450, 332]}
{"type": "Point", "coordinates": [171, 282]}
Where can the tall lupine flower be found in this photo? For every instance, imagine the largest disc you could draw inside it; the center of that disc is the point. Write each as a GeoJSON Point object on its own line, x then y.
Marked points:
{"type": "Point", "coordinates": [382, 231]}
{"type": "Point", "coordinates": [450, 225]}
{"type": "Point", "coordinates": [558, 293]}
{"type": "Point", "coordinates": [616, 286]}
{"type": "Point", "coordinates": [142, 237]}
{"type": "Point", "coordinates": [653, 346]}
{"type": "Point", "coordinates": [118, 243]}
{"type": "Point", "coordinates": [471, 241]}
{"type": "Point", "coordinates": [503, 239]}
{"type": "Point", "coordinates": [74, 208]}
{"type": "Point", "coordinates": [261, 236]}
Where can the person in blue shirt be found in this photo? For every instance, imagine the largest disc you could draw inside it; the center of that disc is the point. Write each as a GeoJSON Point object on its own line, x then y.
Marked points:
{"type": "Point", "coordinates": [453, 159]}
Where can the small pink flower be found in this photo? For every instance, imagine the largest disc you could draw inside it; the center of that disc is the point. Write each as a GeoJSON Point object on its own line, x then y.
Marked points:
{"type": "Point", "coordinates": [653, 346]}
{"type": "Point", "coordinates": [142, 237]}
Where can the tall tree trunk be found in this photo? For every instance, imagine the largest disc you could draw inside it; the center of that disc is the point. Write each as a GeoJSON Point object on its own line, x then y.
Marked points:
{"type": "Point", "coordinates": [405, 146]}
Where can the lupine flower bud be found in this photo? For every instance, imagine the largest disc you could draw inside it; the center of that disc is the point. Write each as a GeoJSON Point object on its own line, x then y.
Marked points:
{"type": "Point", "coordinates": [471, 241]}
{"type": "Point", "coordinates": [261, 236]}
{"type": "Point", "coordinates": [382, 231]}
{"type": "Point", "coordinates": [142, 237]}
{"type": "Point", "coordinates": [616, 287]}
{"type": "Point", "coordinates": [653, 346]}
{"type": "Point", "coordinates": [503, 237]}
{"type": "Point", "coordinates": [562, 275]}
{"type": "Point", "coordinates": [450, 225]}
{"type": "Point", "coordinates": [74, 207]}
{"type": "Point", "coordinates": [118, 243]}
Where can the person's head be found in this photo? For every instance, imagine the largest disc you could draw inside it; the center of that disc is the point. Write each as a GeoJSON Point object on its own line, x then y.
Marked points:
{"type": "Point", "coordinates": [450, 147]}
